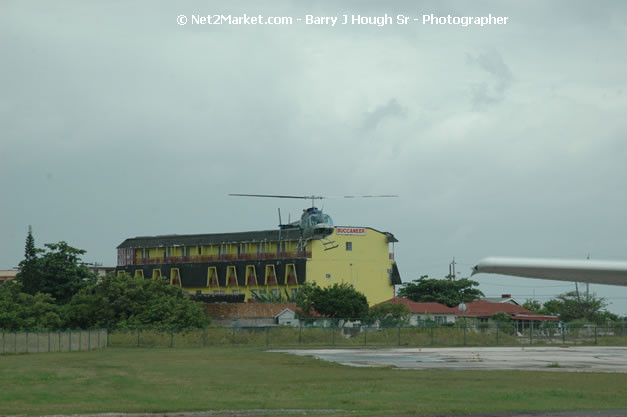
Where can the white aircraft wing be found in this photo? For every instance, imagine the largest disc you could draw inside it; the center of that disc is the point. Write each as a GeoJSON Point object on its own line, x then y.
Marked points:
{"type": "Point", "coordinates": [591, 271]}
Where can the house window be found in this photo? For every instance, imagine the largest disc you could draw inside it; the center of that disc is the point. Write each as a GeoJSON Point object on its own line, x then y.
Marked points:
{"type": "Point", "coordinates": [199, 250]}
{"type": "Point", "coordinates": [188, 251]}
{"type": "Point", "coordinates": [169, 252]}
{"type": "Point", "coordinates": [349, 246]}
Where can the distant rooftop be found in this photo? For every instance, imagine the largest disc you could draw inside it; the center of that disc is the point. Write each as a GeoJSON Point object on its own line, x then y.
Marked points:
{"type": "Point", "coordinates": [219, 238]}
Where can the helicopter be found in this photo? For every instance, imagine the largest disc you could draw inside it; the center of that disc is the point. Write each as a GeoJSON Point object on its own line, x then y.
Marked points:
{"type": "Point", "coordinates": [313, 223]}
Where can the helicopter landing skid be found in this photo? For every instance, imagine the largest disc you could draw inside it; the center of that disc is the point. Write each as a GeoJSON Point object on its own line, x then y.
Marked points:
{"type": "Point", "coordinates": [329, 244]}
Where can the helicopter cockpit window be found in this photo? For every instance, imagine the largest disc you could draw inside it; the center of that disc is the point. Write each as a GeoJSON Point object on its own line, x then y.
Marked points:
{"type": "Point", "coordinates": [315, 219]}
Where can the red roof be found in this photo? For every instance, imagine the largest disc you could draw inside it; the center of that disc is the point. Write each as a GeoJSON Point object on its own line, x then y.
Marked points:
{"type": "Point", "coordinates": [422, 308]}
{"type": "Point", "coordinates": [480, 308]}
{"type": "Point", "coordinates": [483, 308]}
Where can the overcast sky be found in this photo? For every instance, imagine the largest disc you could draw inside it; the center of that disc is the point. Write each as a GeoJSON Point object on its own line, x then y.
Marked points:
{"type": "Point", "coordinates": [511, 140]}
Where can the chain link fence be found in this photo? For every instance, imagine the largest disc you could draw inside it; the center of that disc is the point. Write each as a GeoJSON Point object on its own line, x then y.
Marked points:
{"type": "Point", "coordinates": [326, 334]}
{"type": "Point", "coordinates": [374, 336]}
{"type": "Point", "coordinates": [52, 341]}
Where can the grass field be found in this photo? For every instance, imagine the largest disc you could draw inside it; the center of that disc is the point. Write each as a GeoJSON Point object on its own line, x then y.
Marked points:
{"type": "Point", "coordinates": [241, 378]}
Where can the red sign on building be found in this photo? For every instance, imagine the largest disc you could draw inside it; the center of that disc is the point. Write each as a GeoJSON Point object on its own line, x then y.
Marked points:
{"type": "Point", "coordinates": [350, 231]}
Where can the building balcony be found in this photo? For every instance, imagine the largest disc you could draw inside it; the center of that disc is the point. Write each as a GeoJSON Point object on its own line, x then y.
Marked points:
{"type": "Point", "coordinates": [222, 258]}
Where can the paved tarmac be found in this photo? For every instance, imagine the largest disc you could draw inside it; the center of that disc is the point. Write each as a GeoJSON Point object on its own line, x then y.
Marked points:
{"type": "Point", "coordinates": [561, 359]}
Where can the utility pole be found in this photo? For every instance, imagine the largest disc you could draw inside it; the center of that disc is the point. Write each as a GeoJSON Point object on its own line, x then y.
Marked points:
{"type": "Point", "coordinates": [451, 270]}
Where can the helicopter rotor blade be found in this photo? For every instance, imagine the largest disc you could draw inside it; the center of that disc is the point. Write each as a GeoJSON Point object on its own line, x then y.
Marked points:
{"type": "Point", "coordinates": [367, 196]}
{"type": "Point", "coordinates": [302, 197]}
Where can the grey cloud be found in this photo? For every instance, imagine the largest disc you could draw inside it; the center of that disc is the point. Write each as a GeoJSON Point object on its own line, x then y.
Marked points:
{"type": "Point", "coordinates": [391, 109]}
{"type": "Point", "coordinates": [493, 90]}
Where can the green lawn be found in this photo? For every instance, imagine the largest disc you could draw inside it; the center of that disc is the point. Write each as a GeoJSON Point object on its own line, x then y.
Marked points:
{"type": "Point", "coordinates": [233, 378]}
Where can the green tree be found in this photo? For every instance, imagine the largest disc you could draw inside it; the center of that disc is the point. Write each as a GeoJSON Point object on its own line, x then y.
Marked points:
{"type": "Point", "coordinates": [389, 314]}
{"type": "Point", "coordinates": [123, 301]}
{"type": "Point", "coordinates": [574, 306]}
{"type": "Point", "coordinates": [501, 317]}
{"type": "Point", "coordinates": [57, 271]}
{"type": "Point", "coordinates": [21, 311]}
{"type": "Point", "coordinates": [30, 271]}
{"type": "Point", "coordinates": [443, 291]}
{"type": "Point", "coordinates": [339, 301]}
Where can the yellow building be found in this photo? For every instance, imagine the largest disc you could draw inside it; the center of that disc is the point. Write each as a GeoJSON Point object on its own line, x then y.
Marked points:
{"type": "Point", "coordinates": [274, 260]}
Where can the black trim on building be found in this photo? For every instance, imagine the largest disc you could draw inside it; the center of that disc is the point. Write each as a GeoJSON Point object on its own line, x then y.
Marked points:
{"type": "Point", "coordinates": [395, 277]}
{"type": "Point", "coordinates": [195, 274]}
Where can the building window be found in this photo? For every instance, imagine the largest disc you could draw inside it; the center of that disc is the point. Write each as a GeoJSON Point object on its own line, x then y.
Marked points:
{"type": "Point", "coordinates": [188, 251]}
{"type": "Point", "coordinates": [349, 246]}
{"type": "Point", "coordinates": [199, 250]}
{"type": "Point", "coordinates": [328, 276]}
{"type": "Point", "coordinates": [169, 252]}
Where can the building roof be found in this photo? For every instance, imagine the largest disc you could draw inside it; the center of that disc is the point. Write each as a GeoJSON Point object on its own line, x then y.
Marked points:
{"type": "Point", "coordinates": [422, 308]}
{"type": "Point", "coordinates": [483, 308]}
{"type": "Point", "coordinates": [220, 238]}
{"type": "Point", "coordinates": [209, 238]}
{"type": "Point", "coordinates": [480, 308]}
{"type": "Point", "coordinates": [501, 300]}
{"type": "Point", "coordinates": [6, 274]}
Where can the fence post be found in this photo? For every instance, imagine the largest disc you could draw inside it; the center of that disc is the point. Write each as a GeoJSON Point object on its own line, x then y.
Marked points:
{"type": "Point", "coordinates": [267, 336]}
{"type": "Point", "coordinates": [80, 340]}
{"type": "Point", "coordinates": [70, 337]}
{"type": "Point", "coordinates": [465, 325]}
{"type": "Point", "coordinates": [399, 334]}
{"type": "Point", "coordinates": [497, 333]}
{"type": "Point", "coordinates": [59, 337]}
{"type": "Point", "coordinates": [137, 328]}
{"type": "Point", "coordinates": [333, 333]}
{"type": "Point", "coordinates": [27, 341]}
{"type": "Point", "coordinates": [171, 337]}
{"type": "Point", "coordinates": [563, 333]}
{"type": "Point", "coordinates": [530, 332]}
{"type": "Point", "coordinates": [48, 340]}
{"type": "Point", "coordinates": [366, 336]}
{"type": "Point", "coordinates": [432, 335]}
{"type": "Point", "coordinates": [300, 332]}
{"type": "Point", "coordinates": [596, 340]}
{"type": "Point", "coordinates": [232, 335]}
